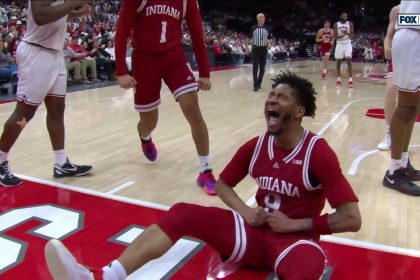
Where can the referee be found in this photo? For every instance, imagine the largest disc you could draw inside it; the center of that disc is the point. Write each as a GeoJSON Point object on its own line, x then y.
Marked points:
{"type": "Point", "coordinates": [260, 36]}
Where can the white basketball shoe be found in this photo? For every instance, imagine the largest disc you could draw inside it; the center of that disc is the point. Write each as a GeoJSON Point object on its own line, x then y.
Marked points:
{"type": "Point", "coordinates": [62, 264]}
{"type": "Point", "coordinates": [385, 145]}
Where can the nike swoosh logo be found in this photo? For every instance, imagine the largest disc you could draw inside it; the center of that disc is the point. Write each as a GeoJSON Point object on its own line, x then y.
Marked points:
{"type": "Point", "coordinates": [389, 180]}
{"type": "Point", "coordinates": [74, 168]}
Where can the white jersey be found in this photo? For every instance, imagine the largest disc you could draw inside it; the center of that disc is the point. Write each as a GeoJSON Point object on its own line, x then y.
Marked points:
{"type": "Point", "coordinates": [340, 28]}
{"type": "Point", "coordinates": [50, 35]}
{"type": "Point", "coordinates": [409, 7]}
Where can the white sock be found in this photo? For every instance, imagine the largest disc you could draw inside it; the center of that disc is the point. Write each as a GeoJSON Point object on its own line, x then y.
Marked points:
{"type": "Point", "coordinates": [388, 129]}
{"type": "Point", "coordinates": [60, 157]}
{"type": "Point", "coordinates": [339, 79]}
{"type": "Point", "coordinates": [395, 165]}
{"type": "Point", "coordinates": [146, 138]}
{"type": "Point", "coordinates": [350, 79]}
{"type": "Point", "coordinates": [204, 163]}
{"type": "Point", "coordinates": [114, 271]}
{"type": "Point", "coordinates": [404, 159]}
{"type": "Point", "coordinates": [3, 156]}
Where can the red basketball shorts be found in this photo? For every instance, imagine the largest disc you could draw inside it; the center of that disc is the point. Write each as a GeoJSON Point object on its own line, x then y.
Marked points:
{"type": "Point", "coordinates": [149, 69]}
{"type": "Point", "coordinates": [237, 242]}
{"type": "Point", "coordinates": [325, 48]}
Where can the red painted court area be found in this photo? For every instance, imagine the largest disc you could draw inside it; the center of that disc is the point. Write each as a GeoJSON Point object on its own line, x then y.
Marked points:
{"type": "Point", "coordinates": [377, 113]}
{"type": "Point", "coordinates": [93, 228]}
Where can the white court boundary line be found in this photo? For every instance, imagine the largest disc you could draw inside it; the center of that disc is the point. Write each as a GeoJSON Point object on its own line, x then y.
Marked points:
{"type": "Point", "coordinates": [371, 246]}
{"type": "Point", "coordinates": [355, 165]}
{"type": "Point", "coordinates": [95, 193]}
{"type": "Point", "coordinates": [251, 201]}
{"type": "Point", "coordinates": [358, 160]}
{"type": "Point", "coordinates": [331, 239]}
{"type": "Point", "coordinates": [336, 116]}
{"type": "Point", "coordinates": [120, 187]}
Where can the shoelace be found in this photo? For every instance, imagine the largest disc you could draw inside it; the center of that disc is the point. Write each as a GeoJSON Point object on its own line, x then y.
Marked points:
{"type": "Point", "coordinates": [211, 177]}
{"type": "Point", "coordinates": [410, 167]}
{"type": "Point", "coordinates": [68, 163]}
{"type": "Point", "coordinates": [8, 172]}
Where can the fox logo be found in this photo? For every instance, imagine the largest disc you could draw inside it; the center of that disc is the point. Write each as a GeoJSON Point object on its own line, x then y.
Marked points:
{"type": "Point", "coordinates": [408, 19]}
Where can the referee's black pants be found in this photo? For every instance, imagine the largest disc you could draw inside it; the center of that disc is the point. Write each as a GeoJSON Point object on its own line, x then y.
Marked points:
{"type": "Point", "coordinates": [259, 59]}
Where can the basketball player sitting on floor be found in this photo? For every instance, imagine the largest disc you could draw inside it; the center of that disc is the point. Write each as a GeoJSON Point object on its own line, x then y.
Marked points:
{"type": "Point", "coordinates": [296, 172]}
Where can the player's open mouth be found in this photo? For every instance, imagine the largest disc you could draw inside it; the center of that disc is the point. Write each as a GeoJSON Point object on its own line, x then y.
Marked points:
{"type": "Point", "coordinates": [272, 117]}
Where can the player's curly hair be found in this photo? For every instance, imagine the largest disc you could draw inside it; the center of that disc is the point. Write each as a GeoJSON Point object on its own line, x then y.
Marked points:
{"type": "Point", "coordinates": [303, 90]}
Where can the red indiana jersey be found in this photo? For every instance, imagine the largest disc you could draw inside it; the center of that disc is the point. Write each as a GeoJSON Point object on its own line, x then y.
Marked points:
{"type": "Point", "coordinates": [156, 28]}
{"type": "Point", "coordinates": [325, 44]}
{"type": "Point", "coordinates": [296, 182]}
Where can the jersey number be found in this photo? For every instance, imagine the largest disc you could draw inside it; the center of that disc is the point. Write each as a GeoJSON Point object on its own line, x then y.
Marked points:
{"type": "Point", "coordinates": [163, 34]}
{"type": "Point", "coordinates": [272, 202]}
{"type": "Point", "coordinates": [341, 31]}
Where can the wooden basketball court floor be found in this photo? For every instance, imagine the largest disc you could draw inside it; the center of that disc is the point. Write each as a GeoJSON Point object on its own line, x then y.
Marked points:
{"type": "Point", "coordinates": [101, 130]}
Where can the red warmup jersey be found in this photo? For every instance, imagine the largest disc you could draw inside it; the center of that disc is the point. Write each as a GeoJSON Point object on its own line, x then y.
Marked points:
{"type": "Point", "coordinates": [328, 37]}
{"type": "Point", "coordinates": [156, 26]}
{"type": "Point", "coordinates": [296, 182]}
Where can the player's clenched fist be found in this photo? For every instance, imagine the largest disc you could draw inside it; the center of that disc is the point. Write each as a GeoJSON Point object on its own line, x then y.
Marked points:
{"type": "Point", "coordinates": [255, 216]}
{"type": "Point", "coordinates": [204, 84]}
{"type": "Point", "coordinates": [127, 81]}
{"type": "Point", "coordinates": [279, 222]}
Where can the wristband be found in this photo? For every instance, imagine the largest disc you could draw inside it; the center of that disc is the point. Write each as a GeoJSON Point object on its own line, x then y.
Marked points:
{"type": "Point", "coordinates": [320, 225]}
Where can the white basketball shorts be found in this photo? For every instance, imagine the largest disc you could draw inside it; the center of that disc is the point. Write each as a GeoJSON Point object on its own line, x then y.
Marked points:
{"type": "Point", "coordinates": [343, 51]}
{"type": "Point", "coordinates": [41, 72]}
{"type": "Point", "coordinates": [406, 60]}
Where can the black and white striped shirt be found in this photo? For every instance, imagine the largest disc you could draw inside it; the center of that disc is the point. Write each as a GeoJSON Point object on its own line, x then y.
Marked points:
{"type": "Point", "coordinates": [260, 36]}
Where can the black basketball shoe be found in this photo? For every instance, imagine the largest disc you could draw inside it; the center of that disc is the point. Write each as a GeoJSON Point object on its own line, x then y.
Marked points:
{"type": "Point", "coordinates": [412, 173]}
{"type": "Point", "coordinates": [399, 181]}
{"type": "Point", "coordinates": [7, 179]}
{"type": "Point", "coordinates": [69, 169]}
